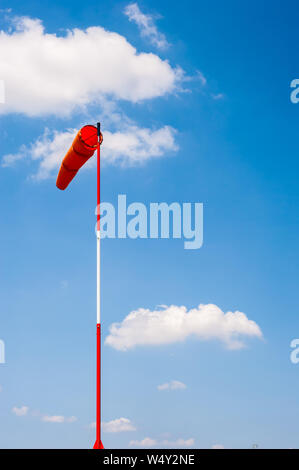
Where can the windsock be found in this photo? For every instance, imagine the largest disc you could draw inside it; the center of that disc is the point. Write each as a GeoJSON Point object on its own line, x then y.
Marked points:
{"type": "Point", "coordinates": [82, 148]}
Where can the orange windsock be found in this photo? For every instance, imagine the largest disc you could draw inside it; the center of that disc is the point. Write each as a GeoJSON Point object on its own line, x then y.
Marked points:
{"type": "Point", "coordinates": [82, 148]}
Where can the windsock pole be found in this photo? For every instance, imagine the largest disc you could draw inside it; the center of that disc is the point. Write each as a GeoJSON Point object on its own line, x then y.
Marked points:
{"type": "Point", "coordinates": [98, 444]}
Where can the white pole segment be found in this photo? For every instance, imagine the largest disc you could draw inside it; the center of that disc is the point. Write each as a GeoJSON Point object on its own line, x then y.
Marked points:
{"type": "Point", "coordinates": [98, 277]}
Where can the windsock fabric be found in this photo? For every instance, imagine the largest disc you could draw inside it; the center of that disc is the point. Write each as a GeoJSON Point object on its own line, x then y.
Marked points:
{"type": "Point", "coordinates": [82, 148]}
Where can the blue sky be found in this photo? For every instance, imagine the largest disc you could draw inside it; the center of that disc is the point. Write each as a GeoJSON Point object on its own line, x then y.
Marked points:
{"type": "Point", "coordinates": [229, 140]}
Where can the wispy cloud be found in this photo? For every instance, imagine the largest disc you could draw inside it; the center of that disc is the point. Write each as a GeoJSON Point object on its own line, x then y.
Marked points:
{"type": "Point", "coordinates": [131, 146]}
{"type": "Point", "coordinates": [176, 444]}
{"type": "Point", "coordinates": [146, 442]}
{"type": "Point", "coordinates": [217, 446]}
{"type": "Point", "coordinates": [176, 324]}
{"type": "Point", "coordinates": [20, 411]}
{"type": "Point", "coordinates": [146, 25]}
{"type": "Point", "coordinates": [179, 443]}
{"type": "Point", "coordinates": [48, 150]}
{"type": "Point", "coordinates": [200, 76]}
{"type": "Point", "coordinates": [58, 419]}
{"type": "Point", "coordinates": [24, 410]}
{"type": "Point", "coordinates": [173, 385]}
{"type": "Point", "coordinates": [218, 96]}
{"type": "Point", "coordinates": [116, 425]}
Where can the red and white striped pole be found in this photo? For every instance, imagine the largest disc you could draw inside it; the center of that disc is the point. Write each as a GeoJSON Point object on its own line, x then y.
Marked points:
{"type": "Point", "coordinates": [98, 444]}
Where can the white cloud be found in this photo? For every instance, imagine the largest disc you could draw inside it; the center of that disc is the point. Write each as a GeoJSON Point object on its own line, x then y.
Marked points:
{"type": "Point", "coordinates": [22, 411]}
{"type": "Point", "coordinates": [179, 443]}
{"type": "Point", "coordinates": [118, 425]}
{"type": "Point", "coordinates": [146, 442]}
{"type": "Point", "coordinates": [217, 446]}
{"type": "Point", "coordinates": [132, 146]}
{"type": "Point", "coordinates": [58, 74]}
{"type": "Point", "coordinates": [146, 26]}
{"type": "Point", "coordinates": [2, 92]}
{"type": "Point", "coordinates": [53, 419]}
{"type": "Point", "coordinates": [218, 96]}
{"type": "Point", "coordinates": [176, 324]}
{"type": "Point", "coordinates": [173, 385]}
{"type": "Point", "coordinates": [200, 76]}
{"type": "Point", "coordinates": [48, 150]}
{"type": "Point", "coordinates": [58, 419]}
{"type": "Point", "coordinates": [136, 145]}
{"type": "Point", "coordinates": [149, 442]}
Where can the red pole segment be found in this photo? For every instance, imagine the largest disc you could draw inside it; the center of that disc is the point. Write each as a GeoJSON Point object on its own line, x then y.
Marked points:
{"type": "Point", "coordinates": [98, 444]}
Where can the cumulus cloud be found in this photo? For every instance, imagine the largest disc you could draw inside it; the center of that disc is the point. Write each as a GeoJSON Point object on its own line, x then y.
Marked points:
{"type": "Point", "coordinates": [217, 446]}
{"type": "Point", "coordinates": [21, 411]}
{"type": "Point", "coordinates": [118, 425]}
{"type": "Point", "coordinates": [46, 73]}
{"type": "Point", "coordinates": [58, 419]}
{"type": "Point", "coordinates": [173, 324]}
{"type": "Point", "coordinates": [146, 442]}
{"type": "Point", "coordinates": [146, 26]}
{"type": "Point", "coordinates": [132, 146]}
{"type": "Point", "coordinates": [173, 385]}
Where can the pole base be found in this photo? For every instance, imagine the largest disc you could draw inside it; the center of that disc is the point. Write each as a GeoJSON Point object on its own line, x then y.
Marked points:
{"type": "Point", "coordinates": [98, 445]}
